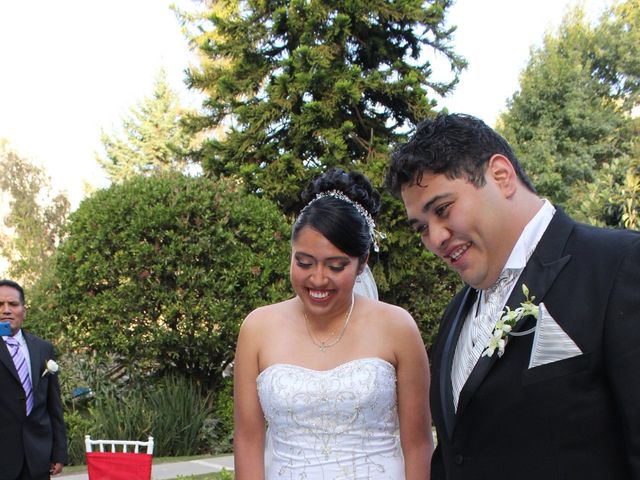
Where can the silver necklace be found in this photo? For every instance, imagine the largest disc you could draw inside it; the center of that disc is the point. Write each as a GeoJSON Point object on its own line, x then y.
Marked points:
{"type": "Point", "coordinates": [323, 345]}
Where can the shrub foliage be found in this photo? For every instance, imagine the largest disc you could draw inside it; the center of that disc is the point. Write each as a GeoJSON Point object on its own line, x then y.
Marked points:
{"type": "Point", "coordinates": [161, 271]}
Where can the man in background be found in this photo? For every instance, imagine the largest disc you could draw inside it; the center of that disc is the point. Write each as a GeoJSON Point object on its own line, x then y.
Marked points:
{"type": "Point", "coordinates": [33, 441]}
{"type": "Point", "coordinates": [553, 395]}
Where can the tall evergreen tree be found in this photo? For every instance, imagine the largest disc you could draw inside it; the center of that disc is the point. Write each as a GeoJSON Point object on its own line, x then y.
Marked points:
{"type": "Point", "coordinates": [573, 113]}
{"type": "Point", "coordinates": [617, 56]}
{"type": "Point", "coordinates": [301, 85]}
{"type": "Point", "coordinates": [32, 226]}
{"type": "Point", "coordinates": [152, 138]}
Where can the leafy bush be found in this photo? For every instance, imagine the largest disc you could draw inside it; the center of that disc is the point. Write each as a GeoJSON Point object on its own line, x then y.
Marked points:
{"type": "Point", "coordinates": [179, 411]}
{"type": "Point", "coordinates": [172, 411]}
{"type": "Point", "coordinates": [218, 428]}
{"type": "Point", "coordinates": [78, 425]}
{"type": "Point", "coordinates": [160, 272]}
{"type": "Point", "coordinates": [127, 404]}
{"type": "Point", "coordinates": [126, 416]}
{"type": "Point", "coordinates": [83, 375]}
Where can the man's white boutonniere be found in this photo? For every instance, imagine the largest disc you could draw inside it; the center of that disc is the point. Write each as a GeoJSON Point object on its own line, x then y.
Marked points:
{"type": "Point", "coordinates": [508, 319]}
{"type": "Point", "coordinates": [50, 367]}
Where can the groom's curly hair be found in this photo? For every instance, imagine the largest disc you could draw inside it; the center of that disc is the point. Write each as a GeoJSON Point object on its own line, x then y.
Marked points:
{"type": "Point", "coordinates": [455, 145]}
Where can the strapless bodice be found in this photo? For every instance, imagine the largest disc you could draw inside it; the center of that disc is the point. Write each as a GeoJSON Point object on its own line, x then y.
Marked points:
{"type": "Point", "coordinates": [338, 424]}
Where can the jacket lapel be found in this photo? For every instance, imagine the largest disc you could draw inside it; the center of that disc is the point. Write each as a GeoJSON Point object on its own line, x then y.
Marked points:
{"type": "Point", "coordinates": [448, 352]}
{"type": "Point", "coordinates": [7, 361]}
{"type": "Point", "coordinates": [546, 262]}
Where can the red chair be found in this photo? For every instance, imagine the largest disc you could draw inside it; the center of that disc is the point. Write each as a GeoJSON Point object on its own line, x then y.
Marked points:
{"type": "Point", "coordinates": [121, 460]}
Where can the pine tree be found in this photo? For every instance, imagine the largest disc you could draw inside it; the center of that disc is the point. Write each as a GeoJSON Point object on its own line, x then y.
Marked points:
{"type": "Point", "coordinates": [572, 121]}
{"type": "Point", "coordinates": [32, 226]}
{"type": "Point", "coordinates": [152, 139]}
{"type": "Point", "coordinates": [301, 85]}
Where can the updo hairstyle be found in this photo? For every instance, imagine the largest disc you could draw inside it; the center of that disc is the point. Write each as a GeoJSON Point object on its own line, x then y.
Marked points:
{"type": "Point", "coordinates": [337, 220]}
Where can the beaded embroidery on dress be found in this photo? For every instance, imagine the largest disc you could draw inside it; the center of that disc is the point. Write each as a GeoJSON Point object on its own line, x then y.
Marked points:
{"type": "Point", "coordinates": [338, 424]}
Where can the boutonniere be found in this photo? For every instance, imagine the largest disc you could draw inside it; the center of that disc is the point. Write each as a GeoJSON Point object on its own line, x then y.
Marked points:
{"type": "Point", "coordinates": [50, 367]}
{"type": "Point", "coordinates": [508, 318]}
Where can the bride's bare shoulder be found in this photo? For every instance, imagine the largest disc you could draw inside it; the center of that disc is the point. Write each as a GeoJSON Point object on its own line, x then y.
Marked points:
{"type": "Point", "coordinates": [268, 316]}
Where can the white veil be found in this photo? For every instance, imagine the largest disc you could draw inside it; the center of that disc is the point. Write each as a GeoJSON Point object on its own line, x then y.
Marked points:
{"type": "Point", "coordinates": [365, 284]}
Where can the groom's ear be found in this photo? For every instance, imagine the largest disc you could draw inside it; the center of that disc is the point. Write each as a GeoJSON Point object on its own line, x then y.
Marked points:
{"type": "Point", "coordinates": [501, 171]}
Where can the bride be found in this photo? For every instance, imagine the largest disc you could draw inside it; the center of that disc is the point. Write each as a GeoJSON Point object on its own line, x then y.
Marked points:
{"type": "Point", "coordinates": [332, 385]}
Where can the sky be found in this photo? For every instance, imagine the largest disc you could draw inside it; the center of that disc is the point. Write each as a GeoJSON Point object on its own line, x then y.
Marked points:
{"type": "Point", "coordinates": [496, 37]}
{"type": "Point", "coordinates": [72, 69]}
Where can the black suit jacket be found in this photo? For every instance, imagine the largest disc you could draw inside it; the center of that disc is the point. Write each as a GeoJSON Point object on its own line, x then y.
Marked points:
{"type": "Point", "coordinates": [577, 418]}
{"type": "Point", "coordinates": [40, 438]}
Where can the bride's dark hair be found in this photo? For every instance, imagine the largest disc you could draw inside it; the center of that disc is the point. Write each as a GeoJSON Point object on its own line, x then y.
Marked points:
{"type": "Point", "coordinates": [337, 220]}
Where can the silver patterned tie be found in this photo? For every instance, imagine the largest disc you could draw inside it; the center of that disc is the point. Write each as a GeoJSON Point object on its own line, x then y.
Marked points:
{"type": "Point", "coordinates": [492, 301]}
{"type": "Point", "coordinates": [23, 370]}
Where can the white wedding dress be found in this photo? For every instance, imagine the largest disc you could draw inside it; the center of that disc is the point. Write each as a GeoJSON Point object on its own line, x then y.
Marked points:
{"type": "Point", "coordinates": [338, 424]}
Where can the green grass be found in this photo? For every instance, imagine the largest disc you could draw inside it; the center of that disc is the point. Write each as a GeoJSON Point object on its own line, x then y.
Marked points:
{"type": "Point", "coordinates": [208, 476]}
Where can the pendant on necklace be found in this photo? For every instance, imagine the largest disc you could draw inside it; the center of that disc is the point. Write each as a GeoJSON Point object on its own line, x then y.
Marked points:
{"type": "Point", "coordinates": [323, 345]}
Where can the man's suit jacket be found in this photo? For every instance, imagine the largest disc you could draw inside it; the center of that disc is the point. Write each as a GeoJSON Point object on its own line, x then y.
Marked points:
{"type": "Point", "coordinates": [577, 418]}
{"type": "Point", "coordinates": [40, 438]}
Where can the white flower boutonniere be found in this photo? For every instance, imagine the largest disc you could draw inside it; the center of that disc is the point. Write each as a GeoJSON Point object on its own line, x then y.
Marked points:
{"type": "Point", "coordinates": [508, 318]}
{"type": "Point", "coordinates": [50, 367]}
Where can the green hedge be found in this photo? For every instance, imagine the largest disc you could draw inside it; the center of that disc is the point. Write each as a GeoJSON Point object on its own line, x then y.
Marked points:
{"type": "Point", "coordinates": [161, 271]}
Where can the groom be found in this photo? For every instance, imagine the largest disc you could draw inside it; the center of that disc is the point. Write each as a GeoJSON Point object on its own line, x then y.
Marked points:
{"type": "Point", "coordinates": [558, 396]}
